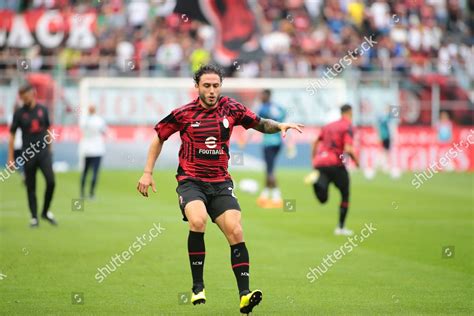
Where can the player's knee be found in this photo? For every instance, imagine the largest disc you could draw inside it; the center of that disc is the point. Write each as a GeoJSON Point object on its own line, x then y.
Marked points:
{"type": "Point", "coordinates": [323, 198]}
{"type": "Point", "coordinates": [321, 195]}
{"type": "Point", "coordinates": [197, 224]}
{"type": "Point", "coordinates": [236, 234]}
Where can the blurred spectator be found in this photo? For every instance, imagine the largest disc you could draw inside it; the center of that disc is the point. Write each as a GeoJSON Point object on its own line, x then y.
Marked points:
{"type": "Point", "coordinates": [125, 51]}
{"type": "Point", "coordinates": [356, 12]}
{"type": "Point", "coordinates": [170, 55]}
{"type": "Point", "coordinates": [297, 37]}
{"type": "Point", "coordinates": [138, 12]}
{"type": "Point", "coordinates": [199, 56]}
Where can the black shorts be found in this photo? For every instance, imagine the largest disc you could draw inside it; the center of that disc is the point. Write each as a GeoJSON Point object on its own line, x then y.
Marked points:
{"type": "Point", "coordinates": [336, 174]}
{"type": "Point", "coordinates": [386, 143]}
{"type": "Point", "coordinates": [218, 197]}
{"type": "Point", "coordinates": [270, 154]}
{"type": "Point", "coordinates": [332, 174]}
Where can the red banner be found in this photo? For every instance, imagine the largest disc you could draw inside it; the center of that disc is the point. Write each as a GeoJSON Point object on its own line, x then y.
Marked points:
{"type": "Point", "coordinates": [414, 148]}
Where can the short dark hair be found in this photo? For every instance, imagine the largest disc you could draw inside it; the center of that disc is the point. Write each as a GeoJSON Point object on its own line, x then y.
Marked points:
{"type": "Point", "coordinates": [268, 92]}
{"type": "Point", "coordinates": [25, 88]}
{"type": "Point", "coordinates": [346, 108]}
{"type": "Point", "coordinates": [208, 69]}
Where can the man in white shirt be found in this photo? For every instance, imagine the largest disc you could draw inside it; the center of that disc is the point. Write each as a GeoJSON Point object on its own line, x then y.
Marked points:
{"type": "Point", "coordinates": [92, 147]}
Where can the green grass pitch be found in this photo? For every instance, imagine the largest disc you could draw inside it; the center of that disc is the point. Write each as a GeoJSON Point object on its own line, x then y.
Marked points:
{"type": "Point", "coordinates": [399, 269]}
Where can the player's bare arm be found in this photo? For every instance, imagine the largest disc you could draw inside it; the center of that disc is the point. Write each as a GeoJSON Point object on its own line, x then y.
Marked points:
{"type": "Point", "coordinates": [315, 147]}
{"type": "Point", "coordinates": [11, 141]}
{"type": "Point", "coordinates": [268, 126]}
{"type": "Point", "coordinates": [50, 144]}
{"type": "Point", "coordinates": [146, 179]}
{"type": "Point", "coordinates": [350, 151]}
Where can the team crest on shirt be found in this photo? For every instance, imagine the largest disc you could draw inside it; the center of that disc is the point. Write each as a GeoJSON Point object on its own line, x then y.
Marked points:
{"type": "Point", "coordinates": [40, 113]}
{"type": "Point", "coordinates": [225, 122]}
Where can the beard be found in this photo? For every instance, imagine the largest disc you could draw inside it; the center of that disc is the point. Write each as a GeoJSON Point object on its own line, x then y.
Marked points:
{"type": "Point", "coordinates": [208, 104]}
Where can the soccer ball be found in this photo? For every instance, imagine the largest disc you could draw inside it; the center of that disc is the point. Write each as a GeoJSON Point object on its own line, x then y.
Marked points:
{"type": "Point", "coordinates": [249, 186]}
{"type": "Point", "coordinates": [369, 173]}
{"type": "Point", "coordinates": [395, 173]}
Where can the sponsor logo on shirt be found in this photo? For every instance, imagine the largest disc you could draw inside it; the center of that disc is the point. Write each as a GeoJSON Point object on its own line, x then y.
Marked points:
{"type": "Point", "coordinates": [211, 142]}
{"type": "Point", "coordinates": [209, 154]}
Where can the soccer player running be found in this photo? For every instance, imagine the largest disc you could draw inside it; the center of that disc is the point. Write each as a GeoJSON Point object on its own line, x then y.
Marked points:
{"type": "Point", "coordinates": [270, 196]}
{"type": "Point", "coordinates": [204, 184]}
{"type": "Point", "coordinates": [383, 128]}
{"type": "Point", "coordinates": [334, 140]}
{"type": "Point", "coordinates": [33, 120]}
{"type": "Point", "coordinates": [92, 148]}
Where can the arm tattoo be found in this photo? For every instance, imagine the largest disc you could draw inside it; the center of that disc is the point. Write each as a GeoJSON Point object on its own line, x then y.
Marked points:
{"type": "Point", "coordinates": [267, 126]}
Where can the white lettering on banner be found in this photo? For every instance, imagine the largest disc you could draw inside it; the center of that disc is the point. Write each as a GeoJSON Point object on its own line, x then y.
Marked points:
{"type": "Point", "coordinates": [44, 36]}
{"type": "Point", "coordinates": [80, 28]}
{"type": "Point", "coordinates": [20, 36]}
{"type": "Point", "coordinates": [81, 36]}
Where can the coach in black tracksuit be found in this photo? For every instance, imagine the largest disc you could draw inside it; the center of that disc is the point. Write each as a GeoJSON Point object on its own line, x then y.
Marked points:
{"type": "Point", "coordinates": [33, 120]}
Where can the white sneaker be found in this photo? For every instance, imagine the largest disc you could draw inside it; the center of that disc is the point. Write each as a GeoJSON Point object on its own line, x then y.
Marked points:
{"type": "Point", "coordinates": [343, 232]}
{"type": "Point", "coordinates": [50, 218]}
{"type": "Point", "coordinates": [34, 222]}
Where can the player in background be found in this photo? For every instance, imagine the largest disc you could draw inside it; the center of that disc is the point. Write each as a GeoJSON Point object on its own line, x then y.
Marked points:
{"type": "Point", "coordinates": [270, 197]}
{"type": "Point", "coordinates": [93, 130]}
{"type": "Point", "coordinates": [328, 156]}
{"type": "Point", "coordinates": [383, 128]}
{"type": "Point", "coordinates": [444, 131]}
{"type": "Point", "coordinates": [33, 120]}
{"type": "Point", "coordinates": [444, 128]}
{"type": "Point", "coordinates": [204, 185]}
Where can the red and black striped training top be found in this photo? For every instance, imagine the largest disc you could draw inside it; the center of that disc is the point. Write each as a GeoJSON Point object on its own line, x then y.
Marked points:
{"type": "Point", "coordinates": [205, 134]}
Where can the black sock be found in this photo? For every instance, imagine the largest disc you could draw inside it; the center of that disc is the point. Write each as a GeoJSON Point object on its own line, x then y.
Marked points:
{"type": "Point", "coordinates": [197, 253]}
{"type": "Point", "coordinates": [343, 213]}
{"type": "Point", "coordinates": [239, 258]}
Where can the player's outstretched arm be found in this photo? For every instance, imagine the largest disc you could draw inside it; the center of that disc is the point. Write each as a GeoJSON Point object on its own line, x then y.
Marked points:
{"type": "Point", "coordinates": [146, 179]}
{"type": "Point", "coordinates": [268, 126]}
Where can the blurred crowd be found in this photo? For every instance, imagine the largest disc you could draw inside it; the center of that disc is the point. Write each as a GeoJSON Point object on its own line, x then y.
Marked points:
{"type": "Point", "coordinates": [298, 38]}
